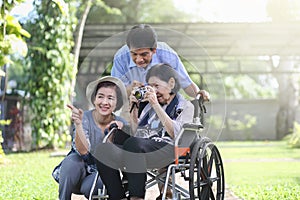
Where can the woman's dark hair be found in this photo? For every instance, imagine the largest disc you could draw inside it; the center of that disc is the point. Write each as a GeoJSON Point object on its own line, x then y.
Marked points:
{"type": "Point", "coordinates": [141, 36]}
{"type": "Point", "coordinates": [112, 85]}
{"type": "Point", "coordinates": [164, 72]}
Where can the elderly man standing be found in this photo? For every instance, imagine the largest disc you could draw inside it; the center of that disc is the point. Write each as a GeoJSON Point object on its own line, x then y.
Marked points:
{"type": "Point", "coordinates": [142, 51]}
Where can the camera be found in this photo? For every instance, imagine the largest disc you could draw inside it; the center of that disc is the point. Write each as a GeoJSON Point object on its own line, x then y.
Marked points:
{"type": "Point", "coordinates": [140, 92]}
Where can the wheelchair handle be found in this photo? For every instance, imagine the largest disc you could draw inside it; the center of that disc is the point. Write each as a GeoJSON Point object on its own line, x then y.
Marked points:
{"type": "Point", "coordinates": [201, 107]}
{"type": "Point", "coordinates": [111, 129]}
{"type": "Point", "coordinates": [201, 104]}
{"type": "Point", "coordinates": [113, 125]}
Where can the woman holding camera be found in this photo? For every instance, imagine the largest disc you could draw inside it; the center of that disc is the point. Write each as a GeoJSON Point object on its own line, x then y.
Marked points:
{"type": "Point", "coordinates": [155, 128]}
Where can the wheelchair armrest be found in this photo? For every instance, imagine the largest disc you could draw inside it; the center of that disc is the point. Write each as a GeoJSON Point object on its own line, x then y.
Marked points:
{"type": "Point", "coordinates": [189, 129]}
{"type": "Point", "coordinates": [194, 126]}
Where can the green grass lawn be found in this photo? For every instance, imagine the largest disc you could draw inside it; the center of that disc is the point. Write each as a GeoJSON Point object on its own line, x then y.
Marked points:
{"type": "Point", "coordinates": [261, 170]}
{"type": "Point", "coordinates": [253, 170]}
{"type": "Point", "coordinates": [28, 176]}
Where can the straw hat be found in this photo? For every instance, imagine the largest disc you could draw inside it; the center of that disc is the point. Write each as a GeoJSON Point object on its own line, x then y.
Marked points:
{"type": "Point", "coordinates": [91, 90]}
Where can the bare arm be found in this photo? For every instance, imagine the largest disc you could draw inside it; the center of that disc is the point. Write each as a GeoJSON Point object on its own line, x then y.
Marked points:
{"type": "Point", "coordinates": [162, 115]}
{"type": "Point", "coordinates": [193, 90]}
{"type": "Point", "coordinates": [133, 100]}
{"type": "Point", "coordinates": [165, 119]}
{"type": "Point", "coordinates": [80, 140]}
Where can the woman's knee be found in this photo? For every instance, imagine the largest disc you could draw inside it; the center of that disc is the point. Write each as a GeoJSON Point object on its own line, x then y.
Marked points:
{"type": "Point", "coordinates": [87, 185]}
{"type": "Point", "coordinates": [72, 171]}
{"type": "Point", "coordinates": [72, 162]}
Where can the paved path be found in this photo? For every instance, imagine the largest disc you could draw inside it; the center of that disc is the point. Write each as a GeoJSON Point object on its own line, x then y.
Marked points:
{"type": "Point", "coordinates": [153, 192]}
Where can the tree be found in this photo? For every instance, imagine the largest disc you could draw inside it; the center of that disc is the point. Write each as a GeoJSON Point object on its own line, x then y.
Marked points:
{"type": "Point", "coordinates": [51, 72]}
{"type": "Point", "coordinates": [288, 96]}
{"type": "Point", "coordinates": [83, 13]}
{"type": "Point", "coordinates": [53, 66]}
{"type": "Point", "coordinates": [11, 35]}
{"type": "Point", "coordinates": [145, 11]}
{"type": "Point", "coordinates": [283, 11]}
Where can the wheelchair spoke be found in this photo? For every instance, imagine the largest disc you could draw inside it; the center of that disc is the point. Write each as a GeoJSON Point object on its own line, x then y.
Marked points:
{"type": "Point", "coordinates": [211, 194]}
{"type": "Point", "coordinates": [198, 180]}
{"type": "Point", "coordinates": [205, 167]}
{"type": "Point", "coordinates": [207, 182]}
{"type": "Point", "coordinates": [210, 162]}
{"type": "Point", "coordinates": [206, 192]}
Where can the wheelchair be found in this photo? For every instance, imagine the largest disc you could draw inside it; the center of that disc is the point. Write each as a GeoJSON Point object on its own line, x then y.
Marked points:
{"type": "Point", "coordinates": [197, 171]}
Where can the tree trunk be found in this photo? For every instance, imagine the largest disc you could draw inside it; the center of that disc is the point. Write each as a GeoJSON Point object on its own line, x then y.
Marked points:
{"type": "Point", "coordinates": [287, 98]}
{"type": "Point", "coordinates": [78, 42]}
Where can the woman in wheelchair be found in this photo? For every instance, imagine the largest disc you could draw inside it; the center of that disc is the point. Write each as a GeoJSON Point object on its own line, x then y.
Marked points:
{"type": "Point", "coordinates": [78, 170]}
{"type": "Point", "coordinates": [155, 127]}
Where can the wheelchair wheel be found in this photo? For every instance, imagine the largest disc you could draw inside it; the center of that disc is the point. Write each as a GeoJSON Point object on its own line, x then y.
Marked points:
{"type": "Point", "coordinates": [206, 173]}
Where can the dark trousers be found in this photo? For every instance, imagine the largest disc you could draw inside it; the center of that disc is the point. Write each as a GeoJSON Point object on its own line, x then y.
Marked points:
{"type": "Point", "coordinates": [134, 158]}
{"type": "Point", "coordinates": [75, 179]}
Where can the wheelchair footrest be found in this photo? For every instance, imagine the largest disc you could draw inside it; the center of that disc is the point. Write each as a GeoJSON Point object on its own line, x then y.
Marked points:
{"type": "Point", "coordinates": [100, 197]}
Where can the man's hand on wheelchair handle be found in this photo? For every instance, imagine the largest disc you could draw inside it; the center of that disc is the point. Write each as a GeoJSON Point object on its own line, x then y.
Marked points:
{"type": "Point", "coordinates": [204, 94]}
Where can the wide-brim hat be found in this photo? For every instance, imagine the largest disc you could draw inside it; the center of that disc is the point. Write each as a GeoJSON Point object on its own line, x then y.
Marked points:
{"type": "Point", "coordinates": [92, 86]}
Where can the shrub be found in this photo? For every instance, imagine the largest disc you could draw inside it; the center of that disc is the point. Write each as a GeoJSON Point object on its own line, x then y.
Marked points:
{"type": "Point", "coordinates": [293, 139]}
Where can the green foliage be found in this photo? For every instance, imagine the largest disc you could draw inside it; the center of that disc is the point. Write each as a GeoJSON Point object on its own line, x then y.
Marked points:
{"type": "Point", "coordinates": [16, 72]}
{"type": "Point", "coordinates": [8, 5]}
{"type": "Point", "coordinates": [11, 39]}
{"type": "Point", "coordinates": [246, 123]}
{"type": "Point", "coordinates": [233, 123]}
{"type": "Point", "coordinates": [51, 72]}
{"type": "Point", "coordinates": [293, 139]}
{"type": "Point", "coordinates": [11, 34]}
{"type": "Point", "coordinates": [2, 155]}
{"type": "Point", "coordinates": [146, 11]}
{"type": "Point", "coordinates": [246, 87]}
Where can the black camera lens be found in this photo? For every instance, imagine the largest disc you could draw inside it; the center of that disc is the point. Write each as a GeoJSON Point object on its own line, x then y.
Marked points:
{"type": "Point", "coordinates": [140, 92]}
{"type": "Point", "coordinates": [138, 95]}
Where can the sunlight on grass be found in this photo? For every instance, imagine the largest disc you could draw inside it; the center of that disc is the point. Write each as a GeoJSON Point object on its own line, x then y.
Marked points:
{"type": "Point", "coordinates": [253, 170]}
{"type": "Point", "coordinates": [261, 170]}
{"type": "Point", "coordinates": [28, 176]}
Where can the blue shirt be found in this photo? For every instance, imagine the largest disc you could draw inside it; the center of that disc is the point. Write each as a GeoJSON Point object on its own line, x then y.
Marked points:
{"type": "Point", "coordinates": [125, 69]}
{"type": "Point", "coordinates": [94, 136]}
